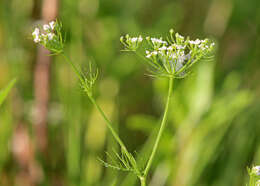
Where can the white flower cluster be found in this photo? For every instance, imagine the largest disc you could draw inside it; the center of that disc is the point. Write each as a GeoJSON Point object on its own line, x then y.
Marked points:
{"type": "Point", "coordinates": [50, 36]}
{"type": "Point", "coordinates": [202, 44]}
{"type": "Point", "coordinates": [131, 43]}
{"type": "Point", "coordinates": [46, 35]}
{"type": "Point", "coordinates": [173, 57]}
{"type": "Point", "coordinates": [156, 41]}
{"type": "Point", "coordinates": [136, 39]}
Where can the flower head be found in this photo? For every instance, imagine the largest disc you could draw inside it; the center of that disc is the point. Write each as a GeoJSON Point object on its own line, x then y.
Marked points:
{"type": "Point", "coordinates": [49, 35]}
{"type": "Point", "coordinates": [173, 57]}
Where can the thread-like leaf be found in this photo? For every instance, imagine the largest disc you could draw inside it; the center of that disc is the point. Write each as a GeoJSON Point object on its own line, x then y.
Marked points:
{"type": "Point", "coordinates": [123, 162]}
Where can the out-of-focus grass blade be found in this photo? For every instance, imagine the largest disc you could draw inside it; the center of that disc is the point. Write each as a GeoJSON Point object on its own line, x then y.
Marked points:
{"type": "Point", "coordinates": [6, 90]}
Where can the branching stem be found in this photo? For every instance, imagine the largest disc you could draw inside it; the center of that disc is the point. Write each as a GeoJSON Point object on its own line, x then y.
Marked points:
{"type": "Point", "coordinates": [143, 176]}
{"type": "Point", "coordinates": [108, 122]}
{"type": "Point", "coordinates": [143, 181]}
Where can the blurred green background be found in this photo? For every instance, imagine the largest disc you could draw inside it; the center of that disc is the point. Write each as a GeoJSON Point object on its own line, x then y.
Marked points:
{"type": "Point", "coordinates": [213, 132]}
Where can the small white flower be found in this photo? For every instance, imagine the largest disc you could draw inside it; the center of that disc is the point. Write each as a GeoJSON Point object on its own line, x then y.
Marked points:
{"type": "Point", "coordinates": [170, 48]}
{"type": "Point", "coordinates": [178, 36]}
{"type": "Point", "coordinates": [154, 40]}
{"type": "Point", "coordinates": [36, 32]}
{"type": "Point", "coordinates": [37, 39]}
{"type": "Point", "coordinates": [147, 52]}
{"type": "Point", "coordinates": [36, 35]}
{"type": "Point", "coordinates": [134, 39]}
{"type": "Point", "coordinates": [179, 47]}
{"type": "Point", "coordinates": [196, 42]}
{"type": "Point", "coordinates": [163, 48]}
{"type": "Point", "coordinates": [154, 53]}
{"type": "Point", "coordinates": [46, 27]}
{"type": "Point", "coordinates": [50, 36]}
{"type": "Point", "coordinates": [158, 41]}
{"type": "Point", "coordinates": [161, 53]}
{"type": "Point", "coordinates": [140, 39]}
{"type": "Point", "coordinates": [256, 170]}
{"type": "Point", "coordinates": [52, 25]}
{"type": "Point", "coordinates": [148, 56]}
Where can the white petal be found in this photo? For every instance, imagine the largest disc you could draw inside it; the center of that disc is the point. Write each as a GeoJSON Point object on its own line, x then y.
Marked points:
{"type": "Point", "coordinates": [36, 32]}
{"type": "Point", "coordinates": [37, 39]}
{"type": "Point", "coordinates": [50, 36]}
{"type": "Point", "coordinates": [46, 27]}
{"type": "Point", "coordinates": [52, 24]}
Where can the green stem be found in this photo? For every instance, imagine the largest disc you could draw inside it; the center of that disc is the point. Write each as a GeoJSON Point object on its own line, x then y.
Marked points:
{"type": "Point", "coordinates": [109, 124]}
{"type": "Point", "coordinates": [115, 135]}
{"type": "Point", "coordinates": [143, 181]}
{"type": "Point", "coordinates": [155, 147]}
{"type": "Point", "coordinates": [78, 73]}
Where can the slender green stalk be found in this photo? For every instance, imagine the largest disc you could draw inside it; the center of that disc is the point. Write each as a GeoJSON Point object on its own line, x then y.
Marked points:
{"type": "Point", "coordinates": [115, 135]}
{"type": "Point", "coordinates": [155, 147]}
{"type": "Point", "coordinates": [109, 124]}
{"type": "Point", "coordinates": [78, 73]}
